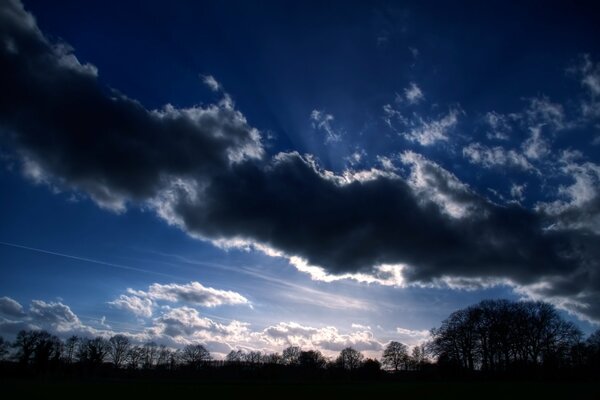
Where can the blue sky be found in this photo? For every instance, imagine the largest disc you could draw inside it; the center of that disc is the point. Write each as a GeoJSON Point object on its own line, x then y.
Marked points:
{"type": "Point", "coordinates": [260, 174]}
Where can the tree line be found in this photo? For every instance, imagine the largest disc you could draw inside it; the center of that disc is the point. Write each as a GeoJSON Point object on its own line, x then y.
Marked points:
{"type": "Point", "coordinates": [493, 336]}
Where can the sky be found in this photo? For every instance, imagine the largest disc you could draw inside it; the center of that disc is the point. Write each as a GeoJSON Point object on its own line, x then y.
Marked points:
{"type": "Point", "coordinates": [254, 175]}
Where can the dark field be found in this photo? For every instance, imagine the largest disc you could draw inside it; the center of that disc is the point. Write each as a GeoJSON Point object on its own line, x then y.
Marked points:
{"type": "Point", "coordinates": [362, 390]}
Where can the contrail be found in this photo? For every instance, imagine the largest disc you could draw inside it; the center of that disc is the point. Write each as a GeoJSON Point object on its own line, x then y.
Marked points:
{"type": "Point", "coordinates": [85, 259]}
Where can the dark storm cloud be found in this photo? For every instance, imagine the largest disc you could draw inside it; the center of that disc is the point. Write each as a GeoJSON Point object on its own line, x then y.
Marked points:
{"type": "Point", "coordinates": [204, 169]}
{"type": "Point", "coordinates": [352, 227]}
{"type": "Point", "coordinates": [98, 140]}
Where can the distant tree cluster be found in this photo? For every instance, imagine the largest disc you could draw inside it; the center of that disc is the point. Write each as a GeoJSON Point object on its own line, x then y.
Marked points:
{"type": "Point", "coordinates": [42, 350]}
{"type": "Point", "coordinates": [499, 334]}
{"type": "Point", "coordinates": [493, 336]}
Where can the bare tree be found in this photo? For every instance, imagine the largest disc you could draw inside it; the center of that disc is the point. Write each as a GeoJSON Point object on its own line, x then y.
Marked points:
{"type": "Point", "coordinates": [134, 356]}
{"type": "Point", "coordinates": [350, 359]}
{"type": "Point", "coordinates": [3, 348]}
{"type": "Point", "coordinates": [48, 348]}
{"type": "Point", "coordinates": [291, 355]}
{"type": "Point", "coordinates": [150, 354]}
{"type": "Point", "coordinates": [418, 357]}
{"type": "Point", "coordinates": [495, 334]}
{"type": "Point", "coordinates": [395, 355]}
{"type": "Point", "coordinates": [195, 355]}
{"type": "Point", "coordinates": [70, 349]}
{"type": "Point", "coordinates": [273, 358]}
{"type": "Point", "coordinates": [235, 356]}
{"type": "Point", "coordinates": [164, 356]}
{"type": "Point", "coordinates": [254, 357]}
{"type": "Point", "coordinates": [93, 351]}
{"type": "Point", "coordinates": [24, 344]}
{"type": "Point", "coordinates": [312, 359]}
{"type": "Point", "coordinates": [118, 349]}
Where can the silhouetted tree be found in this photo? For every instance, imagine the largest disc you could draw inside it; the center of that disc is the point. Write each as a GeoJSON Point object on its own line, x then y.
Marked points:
{"type": "Point", "coordinates": [3, 348]}
{"type": "Point", "coordinates": [395, 355]}
{"type": "Point", "coordinates": [195, 355]}
{"type": "Point", "coordinates": [273, 358]}
{"type": "Point", "coordinates": [592, 349]}
{"type": "Point", "coordinates": [349, 359]}
{"type": "Point", "coordinates": [24, 345]}
{"type": "Point", "coordinates": [370, 368]}
{"type": "Point", "coordinates": [312, 359]}
{"type": "Point", "coordinates": [495, 334]}
{"type": "Point", "coordinates": [119, 346]}
{"type": "Point", "coordinates": [164, 356]}
{"type": "Point", "coordinates": [254, 357]}
{"type": "Point", "coordinates": [418, 357]}
{"type": "Point", "coordinates": [70, 349]}
{"type": "Point", "coordinates": [93, 351]}
{"type": "Point", "coordinates": [291, 355]}
{"type": "Point", "coordinates": [47, 349]}
{"type": "Point", "coordinates": [235, 356]}
{"type": "Point", "coordinates": [134, 357]}
{"type": "Point", "coordinates": [149, 355]}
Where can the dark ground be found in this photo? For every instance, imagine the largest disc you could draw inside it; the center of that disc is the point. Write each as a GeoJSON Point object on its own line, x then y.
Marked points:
{"type": "Point", "coordinates": [39, 389]}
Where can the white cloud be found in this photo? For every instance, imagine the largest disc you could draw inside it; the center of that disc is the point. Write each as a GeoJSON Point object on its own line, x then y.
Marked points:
{"type": "Point", "coordinates": [192, 293]}
{"type": "Point", "coordinates": [10, 307]}
{"type": "Point", "coordinates": [575, 208]}
{"type": "Point", "coordinates": [428, 132]}
{"type": "Point", "coordinates": [588, 74]}
{"type": "Point", "coordinates": [322, 121]}
{"type": "Point", "coordinates": [141, 303]}
{"type": "Point", "coordinates": [356, 157]}
{"type": "Point", "coordinates": [412, 337]}
{"type": "Point", "coordinates": [492, 157]}
{"type": "Point", "coordinates": [53, 314]}
{"type": "Point", "coordinates": [187, 322]}
{"type": "Point", "coordinates": [433, 183]}
{"type": "Point", "coordinates": [517, 191]}
{"type": "Point", "coordinates": [211, 82]}
{"type": "Point", "coordinates": [543, 112]}
{"type": "Point", "coordinates": [413, 93]}
{"type": "Point", "coordinates": [536, 147]}
{"type": "Point", "coordinates": [329, 338]}
{"type": "Point", "coordinates": [139, 306]}
{"type": "Point", "coordinates": [499, 125]}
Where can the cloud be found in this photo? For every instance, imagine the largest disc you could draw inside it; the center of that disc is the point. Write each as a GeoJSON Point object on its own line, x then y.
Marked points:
{"type": "Point", "coordinates": [179, 326]}
{"type": "Point", "coordinates": [413, 94]}
{"type": "Point", "coordinates": [56, 315]}
{"type": "Point", "coordinates": [428, 132]}
{"type": "Point", "coordinates": [542, 112]}
{"type": "Point", "coordinates": [578, 205]}
{"type": "Point", "coordinates": [99, 141]}
{"type": "Point", "coordinates": [499, 125]}
{"type": "Point", "coordinates": [141, 303]}
{"type": "Point", "coordinates": [211, 82]}
{"type": "Point", "coordinates": [518, 191]}
{"type": "Point", "coordinates": [193, 293]}
{"type": "Point", "coordinates": [10, 307]}
{"type": "Point", "coordinates": [327, 338]}
{"type": "Point", "coordinates": [497, 156]}
{"type": "Point", "coordinates": [134, 304]}
{"type": "Point", "coordinates": [187, 322]}
{"type": "Point", "coordinates": [536, 147]}
{"type": "Point", "coordinates": [322, 121]}
{"type": "Point", "coordinates": [588, 74]}
{"type": "Point", "coordinates": [412, 337]}
{"type": "Point", "coordinates": [205, 170]}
